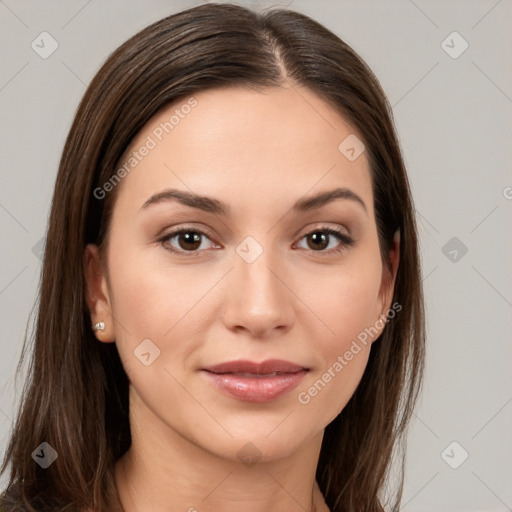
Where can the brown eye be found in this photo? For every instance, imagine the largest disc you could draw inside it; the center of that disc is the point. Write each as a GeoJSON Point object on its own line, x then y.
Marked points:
{"type": "Point", "coordinates": [327, 240]}
{"type": "Point", "coordinates": [189, 240]}
{"type": "Point", "coordinates": [186, 241]}
{"type": "Point", "coordinates": [317, 240]}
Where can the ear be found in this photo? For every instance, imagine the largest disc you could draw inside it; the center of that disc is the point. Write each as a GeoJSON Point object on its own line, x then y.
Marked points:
{"type": "Point", "coordinates": [387, 286]}
{"type": "Point", "coordinates": [97, 296]}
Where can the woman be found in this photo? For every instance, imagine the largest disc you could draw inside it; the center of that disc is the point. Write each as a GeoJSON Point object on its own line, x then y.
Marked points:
{"type": "Point", "coordinates": [231, 312]}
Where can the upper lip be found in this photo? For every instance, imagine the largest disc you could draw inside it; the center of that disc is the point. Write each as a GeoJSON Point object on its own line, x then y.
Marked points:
{"type": "Point", "coordinates": [268, 366]}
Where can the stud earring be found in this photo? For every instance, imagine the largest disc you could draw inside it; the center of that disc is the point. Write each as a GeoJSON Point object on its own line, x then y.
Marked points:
{"type": "Point", "coordinates": [100, 326]}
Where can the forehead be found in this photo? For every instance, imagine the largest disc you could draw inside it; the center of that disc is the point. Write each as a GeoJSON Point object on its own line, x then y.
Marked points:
{"type": "Point", "coordinates": [244, 145]}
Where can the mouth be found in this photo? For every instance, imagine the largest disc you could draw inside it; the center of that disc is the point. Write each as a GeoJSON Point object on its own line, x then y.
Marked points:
{"type": "Point", "coordinates": [255, 382]}
{"type": "Point", "coordinates": [250, 368]}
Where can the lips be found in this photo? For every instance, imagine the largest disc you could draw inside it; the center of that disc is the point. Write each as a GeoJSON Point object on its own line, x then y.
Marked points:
{"type": "Point", "coordinates": [255, 382]}
{"type": "Point", "coordinates": [271, 366]}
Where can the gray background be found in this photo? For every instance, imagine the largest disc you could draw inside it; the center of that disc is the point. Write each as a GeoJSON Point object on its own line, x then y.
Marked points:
{"type": "Point", "coordinates": [453, 117]}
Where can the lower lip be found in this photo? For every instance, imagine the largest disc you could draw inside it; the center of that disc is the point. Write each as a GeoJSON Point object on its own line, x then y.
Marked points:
{"type": "Point", "coordinates": [255, 389]}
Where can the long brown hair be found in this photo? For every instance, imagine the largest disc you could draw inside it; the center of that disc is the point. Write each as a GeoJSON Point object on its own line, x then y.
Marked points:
{"type": "Point", "coordinates": [76, 396]}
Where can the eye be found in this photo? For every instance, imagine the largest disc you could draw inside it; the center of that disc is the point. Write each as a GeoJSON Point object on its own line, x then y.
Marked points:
{"type": "Point", "coordinates": [186, 240]}
{"type": "Point", "coordinates": [321, 238]}
{"type": "Point", "coordinates": [191, 241]}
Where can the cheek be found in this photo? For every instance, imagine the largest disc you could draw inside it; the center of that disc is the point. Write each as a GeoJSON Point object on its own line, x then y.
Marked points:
{"type": "Point", "coordinates": [150, 298]}
{"type": "Point", "coordinates": [347, 298]}
{"type": "Point", "coordinates": [348, 307]}
{"type": "Point", "coordinates": [156, 304]}
{"type": "Point", "coordinates": [170, 305]}
{"type": "Point", "coordinates": [353, 304]}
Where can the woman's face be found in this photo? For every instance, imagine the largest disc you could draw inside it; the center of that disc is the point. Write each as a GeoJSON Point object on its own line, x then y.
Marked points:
{"type": "Point", "coordinates": [255, 274]}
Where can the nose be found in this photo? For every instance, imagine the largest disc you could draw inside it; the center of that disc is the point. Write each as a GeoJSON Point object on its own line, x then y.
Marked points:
{"type": "Point", "coordinates": [258, 297]}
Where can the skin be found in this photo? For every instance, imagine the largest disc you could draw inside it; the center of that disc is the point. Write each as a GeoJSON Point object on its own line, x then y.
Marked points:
{"type": "Point", "coordinates": [258, 152]}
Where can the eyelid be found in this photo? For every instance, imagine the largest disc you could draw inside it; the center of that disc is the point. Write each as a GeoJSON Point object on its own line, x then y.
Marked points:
{"type": "Point", "coordinates": [345, 239]}
{"type": "Point", "coordinates": [343, 235]}
{"type": "Point", "coordinates": [341, 230]}
{"type": "Point", "coordinates": [166, 234]}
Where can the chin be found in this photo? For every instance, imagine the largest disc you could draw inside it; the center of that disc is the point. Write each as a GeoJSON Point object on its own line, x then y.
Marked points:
{"type": "Point", "coordinates": [259, 443]}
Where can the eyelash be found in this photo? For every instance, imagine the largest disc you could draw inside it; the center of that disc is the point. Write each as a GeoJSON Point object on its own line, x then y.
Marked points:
{"type": "Point", "coordinates": [345, 240]}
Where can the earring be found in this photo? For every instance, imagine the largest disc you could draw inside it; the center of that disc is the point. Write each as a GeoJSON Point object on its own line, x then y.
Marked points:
{"type": "Point", "coordinates": [100, 326]}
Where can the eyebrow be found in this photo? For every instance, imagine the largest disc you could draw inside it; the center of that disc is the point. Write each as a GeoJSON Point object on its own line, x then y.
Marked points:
{"type": "Point", "coordinates": [211, 205]}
